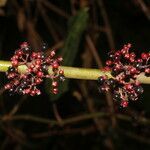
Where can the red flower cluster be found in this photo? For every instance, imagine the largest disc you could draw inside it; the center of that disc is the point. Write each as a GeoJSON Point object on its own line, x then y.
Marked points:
{"type": "Point", "coordinates": [125, 67]}
{"type": "Point", "coordinates": [37, 64]}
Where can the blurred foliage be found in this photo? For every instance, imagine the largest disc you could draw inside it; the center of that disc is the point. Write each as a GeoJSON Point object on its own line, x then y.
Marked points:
{"type": "Point", "coordinates": [77, 25]}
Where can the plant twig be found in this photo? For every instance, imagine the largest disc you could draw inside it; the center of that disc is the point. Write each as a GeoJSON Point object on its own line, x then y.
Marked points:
{"type": "Point", "coordinates": [48, 23]}
{"type": "Point", "coordinates": [56, 113]}
{"type": "Point", "coordinates": [71, 120]}
{"type": "Point", "coordinates": [144, 8]}
{"type": "Point", "coordinates": [107, 24]}
{"type": "Point", "coordinates": [55, 9]}
{"type": "Point", "coordinates": [82, 131]}
{"type": "Point", "coordinates": [17, 106]}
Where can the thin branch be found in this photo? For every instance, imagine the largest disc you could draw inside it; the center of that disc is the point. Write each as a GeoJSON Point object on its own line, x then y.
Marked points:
{"type": "Point", "coordinates": [91, 107]}
{"type": "Point", "coordinates": [71, 120]}
{"type": "Point", "coordinates": [93, 51]}
{"type": "Point", "coordinates": [144, 8]}
{"type": "Point", "coordinates": [137, 137]}
{"type": "Point", "coordinates": [56, 113]}
{"type": "Point", "coordinates": [107, 24]}
{"type": "Point", "coordinates": [48, 23]}
{"type": "Point", "coordinates": [55, 9]}
{"type": "Point", "coordinates": [17, 106]}
{"type": "Point", "coordinates": [82, 131]}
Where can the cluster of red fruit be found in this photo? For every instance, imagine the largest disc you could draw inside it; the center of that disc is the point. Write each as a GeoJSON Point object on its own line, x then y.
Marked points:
{"type": "Point", "coordinates": [37, 64]}
{"type": "Point", "coordinates": [125, 67]}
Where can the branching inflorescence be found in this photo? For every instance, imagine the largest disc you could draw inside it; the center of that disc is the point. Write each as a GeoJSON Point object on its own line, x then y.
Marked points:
{"type": "Point", "coordinates": [37, 64]}
{"type": "Point", "coordinates": [125, 67]}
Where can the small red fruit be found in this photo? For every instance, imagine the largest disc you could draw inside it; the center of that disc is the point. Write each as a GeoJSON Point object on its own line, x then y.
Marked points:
{"type": "Point", "coordinates": [54, 83]}
{"type": "Point", "coordinates": [147, 70]}
{"type": "Point", "coordinates": [133, 70]}
{"type": "Point", "coordinates": [55, 65]}
{"type": "Point", "coordinates": [124, 103]}
{"type": "Point", "coordinates": [40, 74]}
{"type": "Point", "coordinates": [14, 63]}
{"type": "Point", "coordinates": [144, 56]}
{"type": "Point", "coordinates": [61, 72]}
{"type": "Point", "coordinates": [34, 55]}
{"type": "Point", "coordinates": [52, 54]}
{"type": "Point", "coordinates": [38, 80]}
{"type": "Point", "coordinates": [108, 62]}
{"type": "Point", "coordinates": [7, 86]}
{"type": "Point", "coordinates": [55, 91]}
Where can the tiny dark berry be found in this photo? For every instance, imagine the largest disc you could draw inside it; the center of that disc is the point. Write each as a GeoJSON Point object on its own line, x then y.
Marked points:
{"type": "Point", "coordinates": [20, 90]}
{"type": "Point", "coordinates": [62, 78]}
{"type": "Point", "coordinates": [138, 65]}
{"type": "Point", "coordinates": [101, 89]}
{"type": "Point", "coordinates": [44, 46]}
{"type": "Point", "coordinates": [111, 82]}
{"type": "Point", "coordinates": [101, 80]}
{"type": "Point", "coordinates": [11, 91]}
{"type": "Point", "coordinates": [132, 97]}
{"type": "Point", "coordinates": [116, 96]}
{"type": "Point", "coordinates": [139, 90]}
{"type": "Point", "coordinates": [111, 55]}
{"type": "Point", "coordinates": [11, 69]}
{"type": "Point", "coordinates": [26, 49]}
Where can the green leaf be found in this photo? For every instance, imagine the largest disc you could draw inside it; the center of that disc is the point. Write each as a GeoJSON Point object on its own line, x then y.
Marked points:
{"type": "Point", "coordinates": [77, 26]}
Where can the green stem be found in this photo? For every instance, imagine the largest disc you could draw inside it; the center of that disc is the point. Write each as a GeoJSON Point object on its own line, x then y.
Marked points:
{"type": "Point", "coordinates": [76, 73]}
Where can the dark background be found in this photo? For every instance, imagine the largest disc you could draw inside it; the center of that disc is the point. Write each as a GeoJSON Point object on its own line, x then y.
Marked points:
{"type": "Point", "coordinates": [77, 28]}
